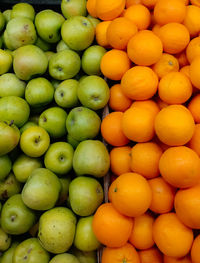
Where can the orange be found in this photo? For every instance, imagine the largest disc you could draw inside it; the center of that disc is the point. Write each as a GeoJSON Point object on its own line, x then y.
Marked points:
{"type": "Point", "coordinates": [161, 104]}
{"type": "Point", "coordinates": [166, 64]}
{"type": "Point", "coordinates": [180, 166]}
{"type": "Point", "coordinates": [175, 88]}
{"type": "Point", "coordinates": [138, 124]}
{"type": "Point", "coordinates": [142, 235]}
{"type": "Point", "coordinates": [182, 59]}
{"type": "Point", "coordinates": [186, 205]}
{"type": "Point", "coordinates": [149, 3]}
{"type": "Point", "coordinates": [139, 83]}
{"type": "Point", "coordinates": [156, 29]}
{"type": "Point", "coordinates": [191, 20]}
{"type": "Point", "coordinates": [195, 255]}
{"type": "Point", "coordinates": [141, 53]}
{"type": "Point", "coordinates": [109, 10]}
{"type": "Point", "coordinates": [169, 11]}
{"type": "Point", "coordinates": [131, 194]}
{"type": "Point", "coordinates": [140, 15]}
{"type": "Point", "coordinates": [145, 159]}
{"type": "Point", "coordinates": [185, 70]}
{"type": "Point", "coordinates": [194, 72]}
{"type": "Point", "coordinates": [185, 259]}
{"type": "Point", "coordinates": [126, 253]}
{"type": "Point", "coordinates": [120, 160]}
{"type": "Point", "coordinates": [195, 2]}
{"type": "Point", "coordinates": [194, 108]}
{"type": "Point", "coordinates": [91, 7]}
{"type": "Point", "coordinates": [171, 236]}
{"type": "Point", "coordinates": [194, 143]}
{"type": "Point", "coordinates": [111, 129]}
{"type": "Point", "coordinates": [193, 49]}
{"type": "Point", "coordinates": [119, 32]}
{"type": "Point", "coordinates": [162, 196]}
{"type": "Point", "coordinates": [132, 2]}
{"type": "Point", "coordinates": [152, 255]}
{"type": "Point", "coordinates": [147, 104]}
{"type": "Point", "coordinates": [106, 224]}
{"type": "Point", "coordinates": [101, 30]}
{"type": "Point", "coordinates": [175, 37]}
{"type": "Point", "coordinates": [174, 125]}
{"type": "Point", "coordinates": [118, 101]}
{"type": "Point", "coordinates": [114, 64]}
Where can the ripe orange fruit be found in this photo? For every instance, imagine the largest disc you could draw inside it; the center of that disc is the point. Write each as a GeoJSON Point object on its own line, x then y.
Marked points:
{"type": "Point", "coordinates": [175, 37]}
{"type": "Point", "coordinates": [145, 159]}
{"type": "Point", "coordinates": [193, 49]}
{"type": "Point", "coordinates": [141, 53]}
{"type": "Point", "coordinates": [111, 129]}
{"type": "Point", "coordinates": [131, 194]}
{"type": "Point", "coordinates": [152, 255]}
{"type": "Point", "coordinates": [156, 29]}
{"type": "Point", "coordinates": [142, 235]}
{"type": "Point", "coordinates": [132, 2]}
{"type": "Point", "coordinates": [120, 160]}
{"type": "Point", "coordinates": [107, 230]}
{"type": "Point", "coordinates": [138, 124]}
{"type": "Point", "coordinates": [167, 63]}
{"type": "Point", "coordinates": [174, 125]}
{"type": "Point", "coordinates": [175, 88]}
{"type": "Point", "coordinates": [186, 205]}
{"type": "Point", "coordinates": [194, 108]}
{"type": "Point", "coordinates": [91, 7]}
{"type": "Point", "coordinates": [195, 256]}
{"type": "Point", "coordinates": [120, 31]}
{"type": "Point", "coordinates": [191, 20]}
{"type": "Point", "coordinates": [182, 59]}
{"type": "Point", "coordinates": [162, 196]}
{"type": "Point", "coordinates": [147, 104]}
{"type": "Point", "coordinates": [161, 104]}
{"type": "Point", "coordinates": [194, 72]}
{"type": "Point", "coordinates": [149, 3]}
{"type": "Point", "coordinates": [194, 143]}
{"type": "Point", "coordinates": [139, 83]}
{"type": "Point", "coordinates": [169, 11]}
{"type": "Point", "coordinates": [171, 236]}
{"type": "Point", "coordinates": [118, 101]}
{"type": "Point", "coordinates": [180, 166]}
{"type": "Point", "coordinates": [101, 30]}
{"type": "Point", "coordinates": [185, 70]}
{"type": "Point", "coordinates": [109, 10]}
{"type": "Point", "coordinates": [140, 15]}
{"type": "Point", "coordinates": [114, 64]}
{"type": "Point", "coordinates": [126, 253]}
{"type": "Point", "coordinates": [185, 259]}
{"type": "Point", "coordinates": [195, 2]}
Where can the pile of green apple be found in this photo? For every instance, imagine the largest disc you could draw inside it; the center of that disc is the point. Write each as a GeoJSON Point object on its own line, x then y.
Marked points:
{"type": "Point", "coordinates": [52, 159]}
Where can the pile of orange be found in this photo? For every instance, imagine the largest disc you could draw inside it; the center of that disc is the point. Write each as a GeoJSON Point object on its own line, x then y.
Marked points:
{"type": "Point", "coordinates": [153, 63]}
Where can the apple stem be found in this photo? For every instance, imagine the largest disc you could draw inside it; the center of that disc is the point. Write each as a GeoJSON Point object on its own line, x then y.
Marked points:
{"type": "Point", "coordinates": [11, 122]}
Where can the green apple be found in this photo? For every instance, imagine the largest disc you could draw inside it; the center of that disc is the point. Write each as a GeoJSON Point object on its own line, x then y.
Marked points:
{"type": "Point", "coordinates": [93, 20]}
{"type": "Point", "coordinates": [5, 240]}
{"type": "Point", "coordinates": [7, 15]}
{"type": "Point", "coordinates": [57, 229]}
{"type": "Point", "coordinates": [55, 82]}
{"type": "Point", "coordinates": [41, 190]}
{"type": "Point", "coordinates": [91, 60]}
{"type": "Point", "coordinates": [45, 46]}
{"type": "Point", "coordinates": [64, 64]}
{"type": "Point", "coordinates": [91, 157]}
{"type": "Point", "coordinates": [65, 181]}
{"type": "Point", "coordinates": [7, 43]}
{"type": "Point", "coordinates": [20, 32]}
{"type": "Point", "coordinates": [1, 41]}
{"type": "Point", "coordinates": [5, 61]}
{"type": "Point", "coordinates": [93, 92]}
{"type": "Point", "coordinates": [34, 141]}
{"type": "Point", "coordinates": [85, 238]}
{"type": "Point", "coordinates": [85, 257]}
{"type": "Point", "coordinates": [29, 61]}
{"type": "Point", "coordinates": [83, 123]}
{"type": "Point", "coordinates": [73, 8]}
{"type": "Point", "coordinates": [30, 251]}
{"type": "Point", "coordinates": [66, 93]}
{"type": "Point", "coordinates": [49, 54]}
{"type": "Point", "coordinates": [9, 187]}
{"type": "Point", "coordinates": [48, 24]}
{"type": "Point", "coordinates": [61, 46]}
{"type": "Point", "coordinates": [6, 165]}
{"type": "Point", "coordinates": [27, 125]}
{"type": "Point", "coordinates": [23, 10]}
{"type": "Point", "coordinates": [85, 195]}
{"type": "Point", "coordinates": [78, 32]}
{"type": "Point", "coordinates": [74, 143]}
{"type": "Point", "coordinates": [53, 121]}
{"type": "Point", "coordinates": [27, 165]}
{"type": "Point", "coordinates": [10, 85]}
{"type": "Point", "coordinates": [2, 21]}
{"type": "Point", "coordinates": [64, 258]}
{"type": "Point", "coordinates": [16, 218]}
{"type": "Point", "coordinates": [13, 108]}
{"type": "Point", "coordinates": [8, 254]}
{"type": "Point", "coordinates": [9, 137]}
{"type": "Point", "coordinates": [39, 92]}
{"type": "Point", "coordinates": [59, 157]}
